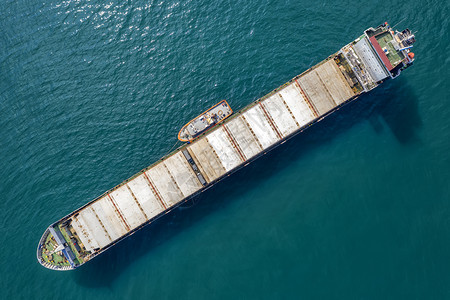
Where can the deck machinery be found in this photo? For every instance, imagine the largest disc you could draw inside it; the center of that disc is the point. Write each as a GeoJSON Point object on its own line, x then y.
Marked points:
{"type": "Point", "coordinates": [380, 53]}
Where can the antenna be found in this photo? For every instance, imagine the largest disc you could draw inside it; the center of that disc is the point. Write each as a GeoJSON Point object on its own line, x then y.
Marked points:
{"type": "Point", "coordinates": [399, 22]}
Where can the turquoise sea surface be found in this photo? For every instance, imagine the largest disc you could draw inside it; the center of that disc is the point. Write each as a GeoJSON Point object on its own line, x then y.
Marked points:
{"type": "Point", "coordinates": [356, 207]}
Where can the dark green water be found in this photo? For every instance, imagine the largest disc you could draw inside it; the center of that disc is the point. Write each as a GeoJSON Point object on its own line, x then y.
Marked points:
{"type": "Point", "coordinates": [357, 207]}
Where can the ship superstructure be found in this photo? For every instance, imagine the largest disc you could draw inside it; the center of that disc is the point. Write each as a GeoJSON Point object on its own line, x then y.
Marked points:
{"type": "Point", "coordinates": [380, 53]}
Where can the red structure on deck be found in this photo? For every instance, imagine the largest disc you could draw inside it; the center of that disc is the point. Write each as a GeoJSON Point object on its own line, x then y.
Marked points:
{"type": "Point", "coordinates": [381, 53]}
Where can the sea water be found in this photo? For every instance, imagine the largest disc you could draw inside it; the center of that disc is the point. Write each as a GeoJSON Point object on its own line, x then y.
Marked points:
{"type": "Point", "coordinates": [356, 207]}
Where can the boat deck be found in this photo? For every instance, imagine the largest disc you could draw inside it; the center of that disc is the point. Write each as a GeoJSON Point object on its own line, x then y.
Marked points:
{"type": "Point", "coordinates": [212, 116]}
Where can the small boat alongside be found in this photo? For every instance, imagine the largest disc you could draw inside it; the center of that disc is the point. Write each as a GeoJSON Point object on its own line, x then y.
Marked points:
{"type": "Point", "coordinates": [206, 120]}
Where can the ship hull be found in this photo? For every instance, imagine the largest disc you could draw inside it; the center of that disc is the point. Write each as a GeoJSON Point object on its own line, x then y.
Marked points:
{"type": "Point", "coordinates": [214, 154]}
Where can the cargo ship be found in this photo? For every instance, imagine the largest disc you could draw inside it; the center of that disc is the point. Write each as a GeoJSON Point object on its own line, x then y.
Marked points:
{"type": "Point", "coordinates": [217, 151]}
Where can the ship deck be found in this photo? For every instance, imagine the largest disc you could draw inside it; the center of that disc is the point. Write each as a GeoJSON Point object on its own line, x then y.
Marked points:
{"type": "Point", "coordinates": [185, 172]}
{"type": "Point", "coordinates": [189, 170]}
{"type": "Point", "coordinates": [196, 126]}
{"type": "Point", "coordinates": [385, 40]}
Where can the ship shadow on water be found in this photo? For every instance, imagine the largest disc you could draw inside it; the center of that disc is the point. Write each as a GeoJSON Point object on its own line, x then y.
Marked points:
{"type": "Point", "coordinates": [394, 103]}
{"type": "Point", "coordinates": [397, 106]}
